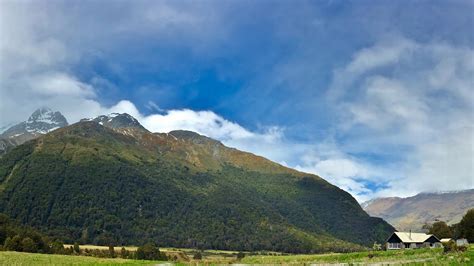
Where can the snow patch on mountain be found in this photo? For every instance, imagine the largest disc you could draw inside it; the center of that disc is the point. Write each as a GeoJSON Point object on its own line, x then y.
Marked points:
{"type": "Point", "coordinates": [117, 121]}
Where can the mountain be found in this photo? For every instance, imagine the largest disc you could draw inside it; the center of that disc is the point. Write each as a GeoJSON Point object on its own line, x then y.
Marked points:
{"type": "Point", "coordinates": [413, 212]}
{"type": "Point", "coordinates": [117, 121]}
{"type": "Point", "coordinates": [109, 180]}
{"type": "Point", "coordinates": [42, 121]}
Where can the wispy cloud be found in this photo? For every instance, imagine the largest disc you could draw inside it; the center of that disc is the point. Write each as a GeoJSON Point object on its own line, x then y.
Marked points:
{"type": "Point", "coordinates": [378, 109]}
{"type": "Point", "coordinates": [420, 99]}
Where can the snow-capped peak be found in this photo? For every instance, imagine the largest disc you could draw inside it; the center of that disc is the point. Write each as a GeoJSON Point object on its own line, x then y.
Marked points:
{"type": "Point", "coordinates": [112, 115]}
{"type": "Point", "coordinates": [43, 114]}
{"type": "Point", "coordinates": [45, 120]}
{"type": "Point", "coordinates": [116, 120]}
{"type": "Point", "coordinates": [42, 121]}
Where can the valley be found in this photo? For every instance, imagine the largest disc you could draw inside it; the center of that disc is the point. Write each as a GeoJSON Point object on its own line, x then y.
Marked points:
{"type": "Point", "coordinates": [274, 132]}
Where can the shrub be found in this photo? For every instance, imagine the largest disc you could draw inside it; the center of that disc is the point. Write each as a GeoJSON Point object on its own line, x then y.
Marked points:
{"type": "Point", "coordinates": [69, 250]}
{"type": "Point", "coordinates": [76, 248]}
{"type": "Point", "coordinates": [149, 251]}
{"type": "Point", "coordinates": [111, 251]}
{"type": "Point", "coordinates": [28, 245]}
{"type": "Point", "coordinates": [449, 247]}
{"type": "Point", "coordinates": [240, 255]}
{"type": "Point", "coordinates": [376, 246]}
{"type": "Point", "coordinates": [13, 244]}
{"type": "Point", "coordinates": [124, 253]}
{"type": "Point", "coordinates": [197, 256]}
{"type": "Point", "coordinates": [461, 248]}
{"type": "Point", "coordinates": [57, 247]}
{"type": "Point", "coordinates": [441, 230]}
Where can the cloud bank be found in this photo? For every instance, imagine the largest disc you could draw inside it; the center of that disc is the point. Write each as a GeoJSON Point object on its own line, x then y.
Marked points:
{"type": "Point", "coordinates": [398, 112]}
{"type": "Point", "coordinates": [415, 97]}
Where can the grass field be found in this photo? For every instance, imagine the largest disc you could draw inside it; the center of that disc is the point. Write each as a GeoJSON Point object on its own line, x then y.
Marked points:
{"type": "Point", "coordinates": [182, 254]}
{"type": "Point", "coordinates": [26, 259]}
{"type": "Point", "coordinates": [213, 257]}
{"type": "Point", "coordinates": [134, 248]}
{"type": "Point", "coordinates": [397, 257]}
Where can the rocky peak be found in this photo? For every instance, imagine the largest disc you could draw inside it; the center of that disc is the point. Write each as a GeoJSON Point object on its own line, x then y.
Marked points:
{"type": "Point", "coordinates": [118, 121]}
{"type": "Point", "coordinates": [45, 120]}
{"type": "Point", "coordinates": [42, 121]}
{"type": "Point", "coordinates": [40, 113]}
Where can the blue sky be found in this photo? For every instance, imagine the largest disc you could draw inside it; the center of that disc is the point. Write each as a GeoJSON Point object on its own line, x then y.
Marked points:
{"type": "Point", "coordinates": [374, 96]}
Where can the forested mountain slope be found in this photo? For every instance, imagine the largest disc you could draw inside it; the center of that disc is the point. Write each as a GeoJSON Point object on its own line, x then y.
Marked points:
{"type": "Point", "coordinates": [105, 182]}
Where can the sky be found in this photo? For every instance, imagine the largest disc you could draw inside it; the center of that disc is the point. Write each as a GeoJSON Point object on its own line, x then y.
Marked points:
{"type": "Point", "coordinates": [377, 97]}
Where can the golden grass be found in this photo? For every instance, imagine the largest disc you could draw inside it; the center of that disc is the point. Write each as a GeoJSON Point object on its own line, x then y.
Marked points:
{"type": "Point", "coordinates": [164, 249]}
{"type": "Point", "coordinates": [116, 249]}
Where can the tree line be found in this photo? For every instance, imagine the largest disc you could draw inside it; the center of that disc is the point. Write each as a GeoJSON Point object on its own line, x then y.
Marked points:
{"type": "Point", "coordinates": [463, 229]}
{"type": "Point", "coordinates": [16, 237]}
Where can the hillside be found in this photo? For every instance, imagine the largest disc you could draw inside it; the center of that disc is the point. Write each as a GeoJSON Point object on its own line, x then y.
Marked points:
{"type": "Point", "coordinates": [414, 212]}
{"type": "Point", "coordinates": [109, 180]}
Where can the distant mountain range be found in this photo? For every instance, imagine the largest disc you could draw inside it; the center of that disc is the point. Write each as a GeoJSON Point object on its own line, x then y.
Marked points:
{"type": "Point", "coordinates": [413, 212]}
{"type": "Point", "coordinates": [42, 121]}
{"type": "Point", "coordinates": [108, 180]}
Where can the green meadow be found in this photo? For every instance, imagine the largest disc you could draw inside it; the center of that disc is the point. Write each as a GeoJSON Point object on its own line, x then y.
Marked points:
{"type": "Point", "coordinates": [407, 257]}
{"type": "Point", "coordinates": [398, 257]}
{"type": "Point", "coordinates": [21, 258]}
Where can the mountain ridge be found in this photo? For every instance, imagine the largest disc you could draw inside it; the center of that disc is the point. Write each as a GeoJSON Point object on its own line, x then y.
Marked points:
{"type": "Point", "coordinates": [426, 207]}
{"type": "Point", "coordinates": [179, 189]}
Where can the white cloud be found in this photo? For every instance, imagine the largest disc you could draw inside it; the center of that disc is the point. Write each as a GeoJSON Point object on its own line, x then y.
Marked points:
{"type": "Point", "coordinates": [420, 97]}
{"type": "Point", "coordinates": [205, 122]}
{"type": "Point", "coordinates": [339, 169]}
{"type": "Point", "coordinates": [446, 164]}
{"type": "Point", "coordinates": [60, 84]}
{"type": "Point", "coordinates": [386, 103]}
{"type": "Point", "coordinates": [329, 161]}
{"type": "Point", "coordinates": [398, 92]}
{"type": "Point", "coordinates": [152, 106]}
{"type": "Point", "coordinates": [342, 172]}
{"type": "Point", "coordinates": [389, 51]}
